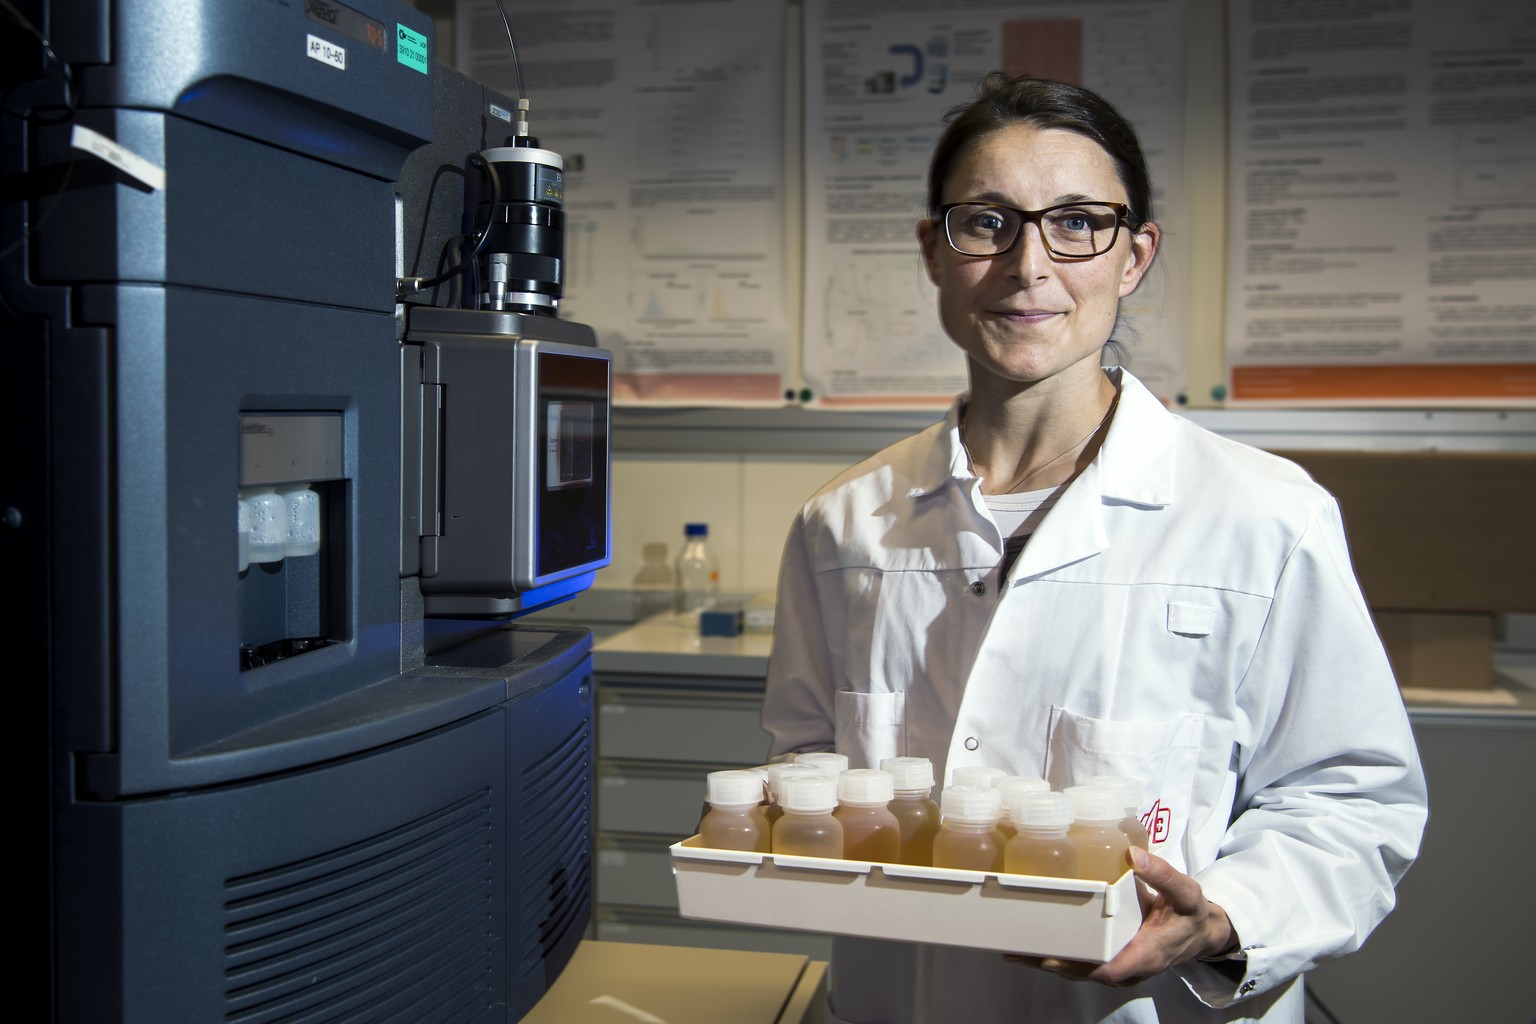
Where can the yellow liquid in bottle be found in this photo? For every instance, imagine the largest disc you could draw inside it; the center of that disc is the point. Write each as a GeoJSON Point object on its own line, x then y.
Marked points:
{"type": "Point", "coordinates": [808, 835]}
{"type": "Point", "coordinates": [734, 828]}
{"type": "Point", "coordinates": [1050, 856]}
{"type": "Point", "coordinates": [918, 818]}
{"type": "Point", "coordinates": [1006, 830]}
{"type": "Point", "coordinates": [869, 833]}
{"type": "Point", "coordinates": [973, 848]}
{"type": "Point", "coordinates": [1101, 850]}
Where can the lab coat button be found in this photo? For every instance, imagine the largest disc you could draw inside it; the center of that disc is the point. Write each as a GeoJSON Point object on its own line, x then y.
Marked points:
{"type": "Point", "coordinates": [971, 743]}
{"type": "Point", "coordinates": [1248, 986]}
{"type": "Point", "coordinates": [979, 587]}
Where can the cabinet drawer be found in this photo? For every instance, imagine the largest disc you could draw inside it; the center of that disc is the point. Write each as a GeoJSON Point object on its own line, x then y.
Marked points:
{"type": "Point", "coordinates": [636, 872]}
{"type": "Point", "coordinates": [659, 800]}
{"type": "Point", "coordinates": [681, 725]}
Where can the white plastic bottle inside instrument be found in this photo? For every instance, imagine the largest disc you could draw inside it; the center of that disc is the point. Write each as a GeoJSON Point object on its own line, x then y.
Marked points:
{"type": "Point", "coordinates": [832, 765]}
{"type": "Point", "coordinates": [1041, 846]}
{"type": "Point", "coordinates": [870, 831]}
{"type": "Point", "coordinates": [968, 836]}
{"type": "Point", "coordinates": [1132, 792]}
{"type": "Point", "coordinates": [913, 805]}
{"type": "Point", "coordinates": [1012, 786]}
{"type": "Point", "coordinates": [808, 828]}
{"type": "Point", "coordinates": [1095, 831]}
{"type": "Point", "coordinates": [734, 820]}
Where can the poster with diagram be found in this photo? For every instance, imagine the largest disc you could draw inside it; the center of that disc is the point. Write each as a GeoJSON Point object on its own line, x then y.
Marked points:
{"type": "Point", "coordinates": [879, 78]}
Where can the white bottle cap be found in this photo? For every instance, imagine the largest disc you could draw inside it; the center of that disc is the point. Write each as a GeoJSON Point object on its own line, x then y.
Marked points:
{"type": "Point", "coordinates": [909, 773]}
{"type": "Point", "coordinates": [733, 788]}
{"type": "Point", "coordinates": [1130, 789]}
{"type": "Point", "coordinates": [832, 765]}
{"type": "Point", "coordinates": [865, 786]}
{"type": "Point", "coordinates": [1042, 810]}
{"type": "Point", "coordinates": [778, 772]}
{"type": "Point", "coordinates": [808, 794]}
{"type": "Point", "coordinates": [975, 775]}
{"type": "Point", "coordinates": [1015, 786]}
{"type": "Point", "coordinates": [973, 804]}
{"type": "Point", "coordinates": [1090, 803]}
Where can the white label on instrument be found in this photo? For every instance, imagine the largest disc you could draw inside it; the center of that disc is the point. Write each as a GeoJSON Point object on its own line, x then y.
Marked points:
{"type": "Point", "coordinates": [124, 159]}
{"type": "Point", "coordinates": [327, 53]}
{"type": "Point", "coordinates": [504, 114]}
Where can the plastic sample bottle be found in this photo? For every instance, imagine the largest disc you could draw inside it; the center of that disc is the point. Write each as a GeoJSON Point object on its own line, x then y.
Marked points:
{"type": "Point", "coordinates": [1132, 792]}
{"type": "Point", "coordinates": [1012, 786]}
{"type": "Point", "coordinates": [776, 775]}
{"type": "Point", "coordinates": [734, 820]}
{"type": "Point", "coordinates": [808, 828]}
{"type": "Point", "coordinates": [870, 831]}
{"type": "Point", "coordinates": [968, 836]}
{"type": "Point", "coordinates": [303, 507]}
{"type": "Point", "coordinates": [832, 765]}
{"type": "Point", "coordinates": [912, 804]}
{"type": "Point", "coordinates": [975, 775]}
{"type": "Point", "coordinates": [1041, 846]}
{"type": "Point", "coordinates": [698, 571]}
{"type": "Point", "coordinates": [1095, 831]}
{"type": "Point", "coordinates": [269, 524]}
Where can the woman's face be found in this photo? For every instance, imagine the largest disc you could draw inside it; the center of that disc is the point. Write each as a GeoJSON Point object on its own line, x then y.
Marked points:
{"type": "Point", "coordinates": [1025, 315]}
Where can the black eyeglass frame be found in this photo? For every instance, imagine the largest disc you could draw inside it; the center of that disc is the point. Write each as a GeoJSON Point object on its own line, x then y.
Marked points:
{"type": "Point", "coordinates": [1122, 216]}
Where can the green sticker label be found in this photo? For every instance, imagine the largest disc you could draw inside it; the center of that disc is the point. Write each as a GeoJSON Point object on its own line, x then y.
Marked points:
{"type": "Point", "coordinates": [411, 48]}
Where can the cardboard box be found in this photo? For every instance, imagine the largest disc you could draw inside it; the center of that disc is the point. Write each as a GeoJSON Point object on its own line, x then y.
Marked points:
{"type": "Point", "coordinates": [1440, 650]}
{"type": "Point", "coordinates": [1442, 542]}
{"type": "Point", "coordinates": [1063, 917]}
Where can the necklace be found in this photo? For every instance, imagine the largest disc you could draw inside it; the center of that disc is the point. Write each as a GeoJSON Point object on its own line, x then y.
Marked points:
{"type": "Point", "coordinates": [1021, 481]}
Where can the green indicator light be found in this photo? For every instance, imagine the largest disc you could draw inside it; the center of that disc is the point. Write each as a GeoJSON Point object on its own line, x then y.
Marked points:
{"type": "Point", "coordinates": [411, 48]}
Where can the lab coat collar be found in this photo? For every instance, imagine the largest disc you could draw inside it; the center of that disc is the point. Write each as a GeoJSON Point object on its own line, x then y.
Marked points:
{"type": "Point", "coordinates": [1134, 465]}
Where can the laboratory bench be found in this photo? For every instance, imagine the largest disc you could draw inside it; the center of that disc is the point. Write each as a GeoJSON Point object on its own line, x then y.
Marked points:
{"type": "Point", "coordinates": [673, 705]}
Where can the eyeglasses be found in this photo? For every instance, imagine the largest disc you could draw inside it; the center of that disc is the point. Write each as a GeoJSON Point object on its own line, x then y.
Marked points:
{"type": "Point", "coordinates": [1071, 230]}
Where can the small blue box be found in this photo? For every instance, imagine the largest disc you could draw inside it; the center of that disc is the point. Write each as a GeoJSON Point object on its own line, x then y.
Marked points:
{"type": "Point", "coordinates": [722, 622]}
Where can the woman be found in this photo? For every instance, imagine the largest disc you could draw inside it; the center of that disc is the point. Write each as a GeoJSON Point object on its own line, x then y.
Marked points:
{"type": "Point", "coordinates": [1062, 578]}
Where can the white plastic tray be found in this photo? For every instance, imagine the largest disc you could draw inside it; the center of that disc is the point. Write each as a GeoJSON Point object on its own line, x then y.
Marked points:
{"type": "Point", "coordinates": [1060, 917]}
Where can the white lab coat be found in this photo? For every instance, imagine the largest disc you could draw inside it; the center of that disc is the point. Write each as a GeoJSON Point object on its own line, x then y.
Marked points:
{"type": "Point", "coordinates": [1186, 614]}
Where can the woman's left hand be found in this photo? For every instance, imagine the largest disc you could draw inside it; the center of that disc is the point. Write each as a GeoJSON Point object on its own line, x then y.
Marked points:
{"type": "Point", "coordinates": [1178, 925]}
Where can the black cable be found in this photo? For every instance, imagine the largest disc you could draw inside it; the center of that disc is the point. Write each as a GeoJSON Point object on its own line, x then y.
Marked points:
{"type": "Point", "coordinates": [1317, 1001]}
{"type": "Point", "coordinates": [421, 284]}
{"type": "Point", "coordinates": [20, 19]}
{"type": "Point", "coordinates": [517, 65]}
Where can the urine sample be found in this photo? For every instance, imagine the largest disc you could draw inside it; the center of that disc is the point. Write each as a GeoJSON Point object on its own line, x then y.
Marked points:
{"type": "Point", "coordinates": [734, 820]}
{"type": "Point", "coordinates": [830, 763]}
{"type": "Point", "coordinates": [912, 803]}
{"type": "Point", "coordinates": [1041, 846]}
{"type": "Point", "coordinates": [1011, 786]}
{"type": "Point", "coordinates": [776, 774]}
{"type": "Point", "coordinates": [870, 831]}
{"type": "Point", "coordinates": [968, 836]}
{"type": "Point", "coordinates": [1132, 792]}
{"type": "Point", "coordinates": [1095, 831]}
{"type": "Point", "coordinates": [808, 828]}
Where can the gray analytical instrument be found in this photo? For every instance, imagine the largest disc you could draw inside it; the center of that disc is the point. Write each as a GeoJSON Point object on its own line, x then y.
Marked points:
{"type": "Point", "coordinates": [296, 434]}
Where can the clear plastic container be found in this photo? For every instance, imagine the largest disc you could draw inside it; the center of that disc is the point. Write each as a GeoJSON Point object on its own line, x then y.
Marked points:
{"type": "Point", "coordinates": [968, 836]}
{"type": "Point", "coordinates": [807, 828]}
{"type": "Point", "coordinates": [1012, 786]}
{"type": "Point", "coordinates": [776, 774]}
{"type": "Point", "coordinates": [913, 805]}
{"type": "Point", "coordinates": [832, 765]}
{"type": "Point", "coordinates": [243, 532]}
{"type": "Point", "coordinates": [1040, 845]}
{"type": "Point", "coordinates": [870, 831]}
{"type": "Point", "coordinates": [975, 775]}
{"type": "Point", "coordinates": [303, 506]}
{"type": "Point", "coordinates": [735, 819]}
{"type": "Point", "coordinates": [1101, 847]}
{"type": "Point", "coordinates": [1132, 791]}
{"type": "Point", "coordinates": [697, 571]}
{"type": "Point", "coordinates": [269, 524]}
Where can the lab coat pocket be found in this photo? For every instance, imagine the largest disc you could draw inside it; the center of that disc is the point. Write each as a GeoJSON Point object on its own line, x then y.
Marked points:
{"type": "Point", "coordinates": [1165, 755]}
{"type": "Point", "coordinates": [870, 726]}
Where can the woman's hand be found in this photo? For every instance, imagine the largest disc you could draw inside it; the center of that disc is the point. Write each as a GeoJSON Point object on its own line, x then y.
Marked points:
{"type": "Point", "coordinates": [1178, 925]}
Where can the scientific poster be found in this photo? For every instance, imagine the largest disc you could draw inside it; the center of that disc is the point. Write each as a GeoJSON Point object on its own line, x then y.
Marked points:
{"type": "Point", "coordinates": [670, 117]}
{"type": "Point", "coordinates": [879, 78]}
{"type": "Point", "coordinates": [1382, 203]}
